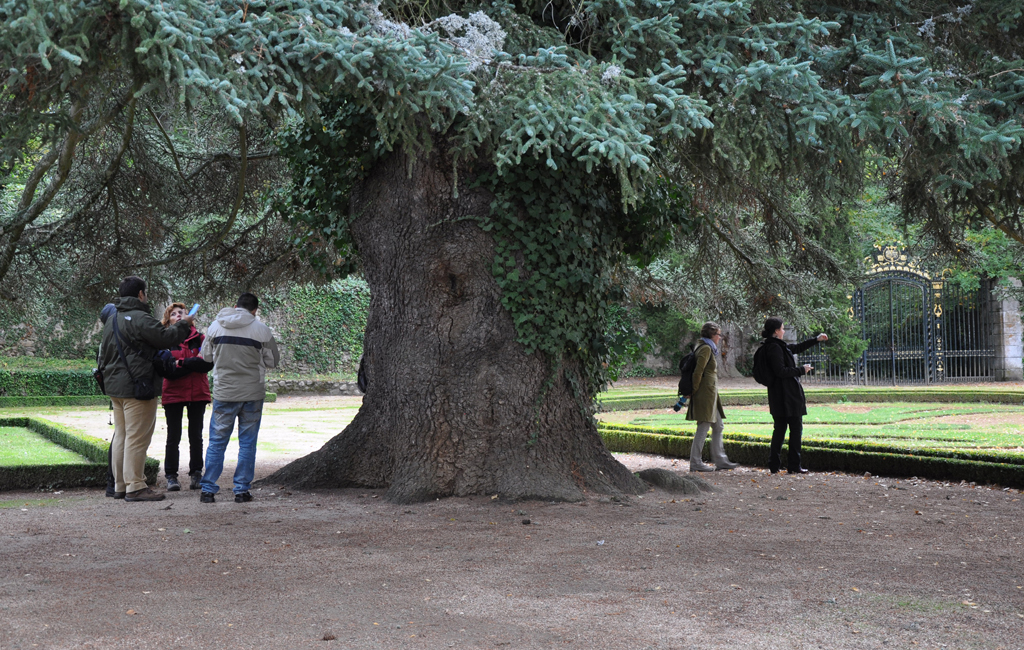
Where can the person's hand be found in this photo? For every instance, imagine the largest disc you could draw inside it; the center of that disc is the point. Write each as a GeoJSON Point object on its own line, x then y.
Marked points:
{"type": "Point", "coordinates": [807, 368]}
{"type": "Point", "coordinates": [188, 319]}
{"type": "Point", "coordinates": [823, 337]}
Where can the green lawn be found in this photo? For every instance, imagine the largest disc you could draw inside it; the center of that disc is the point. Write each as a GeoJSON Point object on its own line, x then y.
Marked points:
{"type": "Point", "coordinates": [19, 446]}
{"type": "Point", "coordinates": [912, 425]}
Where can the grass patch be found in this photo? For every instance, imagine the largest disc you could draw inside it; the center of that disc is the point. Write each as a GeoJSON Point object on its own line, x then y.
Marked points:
{"type": "Point", "coordinates": [89, 471]}
{"type": "Point", "coordinates": [627, 399]}
{"type": "Point", "coordinates": [907, 426]}
{"type": "Point", "coordinates": [985, 444]}
{"type": "Point", "coordinates": [19, 446]}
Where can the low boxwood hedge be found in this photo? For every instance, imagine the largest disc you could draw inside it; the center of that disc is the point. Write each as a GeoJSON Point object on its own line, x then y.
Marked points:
{"type": "Point", "coordinates": [36, 383]}
{"type": "Point", "coordinates": [93, 473]}
{"type": "Point", "coordinates": [71, 400]}
{"type": "Point", "coordinates": [1003, 468]}
{"type": "Point", "coordinates": [54, 400]}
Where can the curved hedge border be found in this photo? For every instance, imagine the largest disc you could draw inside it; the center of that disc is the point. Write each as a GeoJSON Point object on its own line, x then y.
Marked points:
{"type": "Point", "coordinates": [819, 396]}
{"type": "Point", "coordinates": [834, 455]}
{"type": "Point", "coordinates": [94, 473]}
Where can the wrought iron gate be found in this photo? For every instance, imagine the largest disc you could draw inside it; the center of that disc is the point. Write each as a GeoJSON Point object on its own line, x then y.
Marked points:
{"type": "Point", "coordinates": [918, 330]}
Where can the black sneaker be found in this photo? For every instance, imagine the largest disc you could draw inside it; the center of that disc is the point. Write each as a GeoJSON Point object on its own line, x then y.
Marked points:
{"type": "Point", "coordinates": [206, 497]}
{"type": "Point", "coordinates": [172, 484]}
{"type": "Point", "coordinates": [243, 497]}
{"type": "Point", "coordinates": [194, 480]}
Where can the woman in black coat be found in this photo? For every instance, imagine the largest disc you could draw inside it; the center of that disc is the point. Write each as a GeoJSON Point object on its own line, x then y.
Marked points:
{"type": "Point", "coordinates": [786, 400]}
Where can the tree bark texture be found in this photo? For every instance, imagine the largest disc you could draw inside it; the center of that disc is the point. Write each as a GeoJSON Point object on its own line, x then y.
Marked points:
{"type": "Point", "coordinates": [454, 405]}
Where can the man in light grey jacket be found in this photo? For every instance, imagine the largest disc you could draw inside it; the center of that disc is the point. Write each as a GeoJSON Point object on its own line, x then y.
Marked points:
{"type": "Point", "coordinates": [241, 349]}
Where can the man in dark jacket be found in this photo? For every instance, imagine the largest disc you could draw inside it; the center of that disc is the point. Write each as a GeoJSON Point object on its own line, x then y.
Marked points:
{"type": "Point", "coordinates": [786, 400]}
{"type": "Point", "coordinates": [141, 335]}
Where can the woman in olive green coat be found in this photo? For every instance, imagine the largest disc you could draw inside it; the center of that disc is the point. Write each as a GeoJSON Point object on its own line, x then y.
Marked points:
{"type": "Point", "coordinates": [705, 406]}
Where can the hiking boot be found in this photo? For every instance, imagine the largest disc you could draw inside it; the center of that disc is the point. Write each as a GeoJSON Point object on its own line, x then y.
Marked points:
{"type": "Point", "coordinates": [243, 497]}
{"type": "Point", "coordinates": [206, 497]}
{"type": "Point", "coordinates": [118, 495]}
{"type": "Point", "coordinates": [194, 479]}
{"type": "Point", "coordinates": [172, 484]}
{"type": "Point", "coordinates": [145, 494]}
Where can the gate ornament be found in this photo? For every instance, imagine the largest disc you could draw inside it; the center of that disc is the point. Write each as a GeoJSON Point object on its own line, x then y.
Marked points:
{"type": "Point", "coordinates": [892, 258]}
{"type": "Point", "coordinates": [918, 330]}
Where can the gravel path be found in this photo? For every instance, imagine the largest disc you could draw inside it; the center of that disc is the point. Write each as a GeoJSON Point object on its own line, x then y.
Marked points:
{"type": "Point", "coordinates": [818, 561]}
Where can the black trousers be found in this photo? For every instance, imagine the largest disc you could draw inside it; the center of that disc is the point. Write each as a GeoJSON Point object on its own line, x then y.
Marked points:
{"type": "Point", "coordinates": [174, 412]}
{"type": "Point", "coordinates": [796, 432]}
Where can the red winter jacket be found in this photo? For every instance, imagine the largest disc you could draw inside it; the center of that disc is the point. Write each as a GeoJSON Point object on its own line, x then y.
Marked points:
{"type": "Point", "coordinates": [193, 387]}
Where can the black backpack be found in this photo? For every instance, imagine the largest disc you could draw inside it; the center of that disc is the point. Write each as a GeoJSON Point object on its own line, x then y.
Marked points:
{"type": "Point", "coordinates": [686, 366]}
{"type": "Point", "coordinates": [761, 372]}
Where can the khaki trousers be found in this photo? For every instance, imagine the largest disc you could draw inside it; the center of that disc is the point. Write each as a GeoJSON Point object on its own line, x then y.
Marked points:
{"type": "Point", "coordinates": [134, 423]}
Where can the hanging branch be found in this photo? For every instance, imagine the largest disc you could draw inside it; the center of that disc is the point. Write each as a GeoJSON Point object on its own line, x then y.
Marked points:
{"type": "Point", "coordinates": [170, 145]}
{"type": "Point", "coordinates": [239, 197]}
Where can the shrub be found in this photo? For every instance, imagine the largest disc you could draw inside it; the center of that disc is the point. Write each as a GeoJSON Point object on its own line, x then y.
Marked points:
{"type": "Point", "coordinates": [35, 383]}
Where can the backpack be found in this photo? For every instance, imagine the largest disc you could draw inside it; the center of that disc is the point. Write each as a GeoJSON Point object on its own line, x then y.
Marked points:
{"type": "Point", "coordinates": [686, 367]}
{"type": "Point", "coordinates": [761, 372]}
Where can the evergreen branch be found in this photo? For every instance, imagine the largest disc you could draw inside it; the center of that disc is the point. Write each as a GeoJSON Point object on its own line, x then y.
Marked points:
{"type": "Point", "coordinates": [170, 145]}
{"type": "Point", "coordinates": [108, 175]}
{"type": "Point", "coordinates": [220, 236]}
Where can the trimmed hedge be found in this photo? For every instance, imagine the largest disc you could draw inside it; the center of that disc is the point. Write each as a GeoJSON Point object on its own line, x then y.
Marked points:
{"type": "Point", "coordinates": [94, 473]}
{"type": "Point", "coordinates": [665, 400]}
{"type": "Point", "coordinates": [37, 383]}
{"type": "Point", "coordinates": [54, 400]}
{"type": "Point", "coordinates": [71, 400]}
{"type": "Point", "coordinates": [833, 455]}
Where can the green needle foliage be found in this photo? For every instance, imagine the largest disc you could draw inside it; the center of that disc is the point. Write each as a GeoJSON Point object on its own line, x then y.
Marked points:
{"type": "Point", "coordinates": [602, 128]}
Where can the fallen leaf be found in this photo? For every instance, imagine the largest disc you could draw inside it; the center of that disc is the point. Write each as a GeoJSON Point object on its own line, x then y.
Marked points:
{"type": "Point", "coordinates": [130, 612]}
{"type": "Point", "coordinates": [854, 589]}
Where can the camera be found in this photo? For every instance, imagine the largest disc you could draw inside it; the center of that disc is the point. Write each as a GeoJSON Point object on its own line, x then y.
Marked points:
{"type": "Point", "coordinates": [680, 404]}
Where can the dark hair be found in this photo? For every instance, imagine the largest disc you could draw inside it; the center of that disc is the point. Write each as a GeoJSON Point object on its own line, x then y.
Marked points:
{"type": "Point", "coordinates": [709, 329]}
{"type": "Point", "coordinates": [131, 286]}
{"type": "Point", "coordinates": [771, 326]}
{"type": "Point", "coordinates": [248, 302]}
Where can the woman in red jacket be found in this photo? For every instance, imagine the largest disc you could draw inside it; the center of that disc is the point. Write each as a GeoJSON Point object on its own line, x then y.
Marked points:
{"type": "Point", "coordinates": [191, 392]}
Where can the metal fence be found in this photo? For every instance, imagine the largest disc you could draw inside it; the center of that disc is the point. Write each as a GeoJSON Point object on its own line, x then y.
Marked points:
{"type": "Point", "coordinates": [918, 331]}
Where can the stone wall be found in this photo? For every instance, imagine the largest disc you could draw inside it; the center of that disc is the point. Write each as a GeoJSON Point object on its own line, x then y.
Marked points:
{"type": "Point", "coordinates": [312, 387]}
{"type": "Point", "coordinates": [1006, 337]}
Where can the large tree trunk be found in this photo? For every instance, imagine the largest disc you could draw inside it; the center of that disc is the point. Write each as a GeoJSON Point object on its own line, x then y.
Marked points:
{"type": "Point", "coordinates": [454, 406]}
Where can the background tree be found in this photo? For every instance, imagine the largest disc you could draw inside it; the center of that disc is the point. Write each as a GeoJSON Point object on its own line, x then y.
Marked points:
{"type": "Point", "coordinates": [490, 164]}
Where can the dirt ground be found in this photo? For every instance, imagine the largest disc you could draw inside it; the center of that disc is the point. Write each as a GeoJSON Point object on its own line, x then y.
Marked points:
{"type": "Point", "coordinates": [817, 561]}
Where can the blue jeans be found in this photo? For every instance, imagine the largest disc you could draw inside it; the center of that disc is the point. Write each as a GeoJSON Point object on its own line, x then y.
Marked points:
{"type": "Point", "coordinates": [222, 423]}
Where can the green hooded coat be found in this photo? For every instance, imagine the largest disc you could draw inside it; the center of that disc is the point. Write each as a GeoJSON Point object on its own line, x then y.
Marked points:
{"type": "Point", "coordinates": [141, 336]}
{"type": "Point", "coordinates": [705, 388]}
